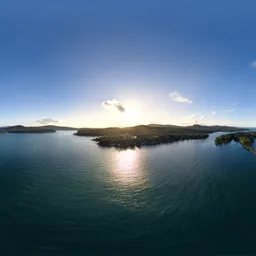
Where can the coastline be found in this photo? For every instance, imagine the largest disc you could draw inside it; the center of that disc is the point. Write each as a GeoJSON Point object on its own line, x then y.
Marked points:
{"type": "Point", "coordinates": [246, 139]}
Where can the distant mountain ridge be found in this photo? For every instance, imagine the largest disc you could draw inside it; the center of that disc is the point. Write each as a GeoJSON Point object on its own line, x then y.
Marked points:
{"type": "Point", "coordinates": [46, 127]}
{"type": "Point", "coordinates": [163, 125]}
{"type": "Point", "coordinates": [34, 129]}
{"type": "Point", "coordinates": [151, 129]}
{"type": "Point", "coordinates": [55, 127]}
{"type": "Point", "coordinates": [156, 129]}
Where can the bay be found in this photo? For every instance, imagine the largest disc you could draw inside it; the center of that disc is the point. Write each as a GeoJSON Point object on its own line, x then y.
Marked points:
{"type": "Point", "coordinates": [62, 194]}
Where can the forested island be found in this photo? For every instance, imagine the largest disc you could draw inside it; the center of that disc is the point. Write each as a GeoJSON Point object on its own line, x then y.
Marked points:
{"type": "Point", "coordinates": [144, 135]}
{"type": "Point", "coordinates": [246, 139]}
{"type": "Point", "coordinates": [35, 129]}
{"type": "Point", "coordinates": [128, 141]}
{"type": "Point", "coordinates": [23, 129]}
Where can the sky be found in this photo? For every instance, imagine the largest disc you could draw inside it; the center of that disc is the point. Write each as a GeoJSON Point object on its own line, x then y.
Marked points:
{"type": "Point", "coordinates": [99, 63]}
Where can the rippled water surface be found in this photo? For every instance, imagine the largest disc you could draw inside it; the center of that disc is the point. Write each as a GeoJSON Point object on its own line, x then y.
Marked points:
{"type": "Point", "coordinates": [63, 194]}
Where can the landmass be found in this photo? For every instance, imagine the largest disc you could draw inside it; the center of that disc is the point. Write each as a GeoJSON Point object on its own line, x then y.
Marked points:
{"type": "Point", "coordinates": [23, 129]}
{"type": "Point", "coordinates": [59, 128]}
{"type": "Point", "coordinates": [155, 130]}
{"type": "Point", "coordinates": [35, 129]}
{"type": "Point", "coordinates": [153, 134]}
{"type": "Point", "coordinates": [246, 139]}
{"type": "Point", "coordinates": [127, 141]}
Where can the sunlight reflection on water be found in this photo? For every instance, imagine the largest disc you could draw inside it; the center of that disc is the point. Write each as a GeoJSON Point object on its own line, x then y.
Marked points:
{"type": "Point", "coordinates": [127, 167]}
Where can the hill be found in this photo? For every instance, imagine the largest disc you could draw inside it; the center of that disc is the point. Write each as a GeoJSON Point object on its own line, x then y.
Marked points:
{"type": "Point", "coordinates": [155, 130]}
{"type": "Point", "coordinates": [58, 128]}
{"type": "Point", "coordinates": [23, 129]}
{"type": "Point", "coordinates": [164, 125]}
{"type": "Point", "coordinates": [35, 129]}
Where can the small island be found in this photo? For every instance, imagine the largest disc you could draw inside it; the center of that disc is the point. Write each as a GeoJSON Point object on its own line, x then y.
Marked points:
{"type": "Point", "coordinates": [246, 139]}
{"type": "Point", "coordinates": [149, 135]}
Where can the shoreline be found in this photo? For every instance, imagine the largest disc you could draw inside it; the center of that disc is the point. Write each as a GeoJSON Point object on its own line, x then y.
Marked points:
{"type": "Point", "coordinates": [125, 142]}
{"type": "Point", "coordinates": [246, 139]}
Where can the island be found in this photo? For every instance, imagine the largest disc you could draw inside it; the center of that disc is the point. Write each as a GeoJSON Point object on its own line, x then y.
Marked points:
{"type": "Point", "coordinates": [149, 135]}
{"type": "Point", "coordinates": [23, 129]}
{"type": "Point", "coordinates": [128, 141]}
{"type": "Point", "coordinates": [246, 139]}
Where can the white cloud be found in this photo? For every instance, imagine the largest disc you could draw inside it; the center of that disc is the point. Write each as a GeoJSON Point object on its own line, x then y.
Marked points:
{"type": "Point", "coordinates": [214, 112]}
{"type": "Point", "coordinates": [197, 117]}
{"type": "Point", "coordinates": [229, 110]}
{"type": "Point", "coordinates": [47, 121]}
{"type": "Point", "coordinates": [113, 104]}
{"type": "Point", "coordinates": [234, 103]}
{"type": "Point", "coordinates": [175, 96]}
{"type": "Point", "coordinates": [193, 116]}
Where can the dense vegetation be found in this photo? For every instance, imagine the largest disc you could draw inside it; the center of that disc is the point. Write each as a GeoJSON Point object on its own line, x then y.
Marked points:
{"type": "Point", "coordinates": [127, 141]}
{"type": "Point", "coordinates": [58, 128]}
{"type": "Point", "coordinates": [246, 139]}
{"type": "Point", "coordinates": [23, 129]}
{"type": "Point", "coordinates": [153, 134]}
{"type": "Point", "coordinates": [155, 130]}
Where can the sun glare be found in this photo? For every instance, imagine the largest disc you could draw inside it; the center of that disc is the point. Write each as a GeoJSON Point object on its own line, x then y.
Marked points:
{"type": "Point", "coordinates": [132, 115]}
{"type": "Point", "coordinates": [126, 168]}
{"type": "Point", "coordinates": [129, 117]}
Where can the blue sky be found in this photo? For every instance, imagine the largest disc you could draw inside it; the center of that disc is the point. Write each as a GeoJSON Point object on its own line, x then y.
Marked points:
{"type": "Point", "coordinates": [116, 63]}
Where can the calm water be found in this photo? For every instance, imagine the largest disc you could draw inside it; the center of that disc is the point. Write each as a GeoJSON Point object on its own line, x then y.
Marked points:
{"type": "Point", "coordinates": [62, 194]}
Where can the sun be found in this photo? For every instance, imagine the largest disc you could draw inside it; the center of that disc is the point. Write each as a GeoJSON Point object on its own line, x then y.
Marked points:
{"type": "Point", "coordinates": [130, 117]}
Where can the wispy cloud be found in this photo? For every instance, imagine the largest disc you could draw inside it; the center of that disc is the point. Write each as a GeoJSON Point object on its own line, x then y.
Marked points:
{"type": "Point", "coordinates": [113, 104]}
{"type": "Point", "coordinates": [234, 103]}
{"type": "Point", "coordinates": [253, 64]}
{"type": "Point", "coordinates": [47, 121]}
{"type": "Point", "coordinates": [214, 112]}
{"type": "Point", "coordinates": [175, 96]}
{"type": "Point", "coordinates": [193, 116]}
{"type": "Point", "coordinates": [229, 110]}
{"type": "Point", "coordinates": [197, 117]}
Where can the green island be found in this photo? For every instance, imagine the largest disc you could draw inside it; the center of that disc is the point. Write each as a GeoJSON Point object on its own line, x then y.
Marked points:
{"type": "Point", "coordinates": [128, 141]}
{"type": "Point", "coordinates": [149, 135]}
{"type": "Point", "coordinates": [246, 139]}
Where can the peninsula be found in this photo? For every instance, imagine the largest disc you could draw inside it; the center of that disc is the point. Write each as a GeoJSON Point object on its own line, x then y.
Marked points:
{"type": "Point", "coordinates": [153, 134]}
{"type": "Point", "coordinates": [246, 139]}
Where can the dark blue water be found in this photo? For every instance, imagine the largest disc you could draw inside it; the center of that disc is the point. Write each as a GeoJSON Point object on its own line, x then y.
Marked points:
{"type": "Point", "coordinates": [62, 194]}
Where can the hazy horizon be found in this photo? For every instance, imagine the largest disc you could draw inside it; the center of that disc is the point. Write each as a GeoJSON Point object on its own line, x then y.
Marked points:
{"type": "Point", "coordinates": [102, 127]}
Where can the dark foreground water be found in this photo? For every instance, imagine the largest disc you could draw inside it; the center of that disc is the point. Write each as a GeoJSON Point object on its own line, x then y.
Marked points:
{"type": "Point", "coordinates": [63, 195]}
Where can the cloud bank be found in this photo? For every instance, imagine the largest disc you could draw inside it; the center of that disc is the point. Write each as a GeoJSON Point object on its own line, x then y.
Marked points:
{"type": "Point", "coordinates": [47, 121]}
{"type": "Point", "coordinates": [113, 104]}
{"type": "Point", "coordinates": [175, 96]}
